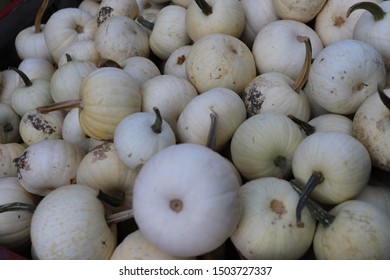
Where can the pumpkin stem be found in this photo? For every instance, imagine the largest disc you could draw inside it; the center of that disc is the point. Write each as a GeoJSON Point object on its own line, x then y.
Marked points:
{"type": "Point", "coordinates": [205, 7]}
{"type": "Point", "coordinates": [67, 104]}
{"type": "Point", "coordinates": [8, 127]}
{"type": "Point", "coordinates": [303, 75]}
{"type": "Point", "coordinates": [145, 23]}
{"type": "Point", "coordinates": [17, 206]}
{"type": "Point", "coordinates": [157, 126]}
{"type": "Point", "coordinates": [120, 217]}
{"type": "Point", "coordinates": [112, 200]}
{"type": "Point", "coordinates": [68, 57]}
{"type": "Point", "coordinates": [281, 162]}
{"type": "Point", "coordinates": [39, 15]}
{"type": "Point", "coordinates": [315, 179]}
{"type": "Point", "coordinates": [308, 128]}
{"type": "Point", "coordinates": [23, 76]}
{"type": "Point", "coordinates": [212, 136]}
{"type": "Point", "coordinates": [319, 213]}
{"type": "Point", "coordinates": [384, 98]}
{"type": "Point", "coordinates": [377, 12]}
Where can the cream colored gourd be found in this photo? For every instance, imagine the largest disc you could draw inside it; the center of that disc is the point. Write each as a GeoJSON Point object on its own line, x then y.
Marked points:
{"type": "Point", "coordinates": [67, 79]}
{"type": "Point", "coordinates": [15, 225]}
{"type": "Point", "coordinates": [190, 214]}
{"type": "Point", "coordinates": [205, 17]}
{"type": "Point", "coordinates": [277, 92]}
{"type": "Point", "coordinates": [277, 47]}
{"type": "Point", "coordinates": [332, 122]}
{"type": "Point", "coordinates": [66, 26]}
{"type": "Point", "coordinates": [267, 228]}
{"type": "Point", "coordinates": [35, 127]}
{"type": "Point", "coordinates": [102, 169]}
{"type": "Point", "coordinates": [220, 60]}
{"type": "Point", "coordinates": [264, 144]}
{"type": "Point", "coordinates": [169, 31]}
{"type": "Point", "coordinates": [303, 11]}
{"type": "Point", "coordinates": [141, 135]}
{"type": "Point", "coordinates": [358, 232]}
{"type": "Point", "coordinates": [30, 42]}
{"type": "Point", "coordinates": [141, 68]}
{"type": "Point", "coordinates": [48, 164]}
{"type": "Point", "coordinates": [176, 63]}
{"type": "Point", "coordinates": [89, 6]}
{"type": "Point", "coordinates": [332, 24]}
{"type": "Point", "coordinates": [9, 125]}
{"type": "Point", "coordinates": [334, 166]}
{"type": "Point", "coordinates": [135, 247]}
{"type": "Point", "coordinates": [73, 132]}
{"type": "Point", "coordinates": [371, 27]}
{"type": "Point", "coordinates": [37, 68]}
{"type": "Point", "coordinates": [344, 74]}
{"type": "Point", "coordinates": [114, 36]}
{"type": "Point", "coordinates": [169, 94]}
{"type": "Point", "coordinates": [81, 50]}
{"type": "Point", "coordinates": [107, 95]}
{"type": "Point", "coordinates": [370, 125]}
{"type": "Point", "coordinates": [257, 15]}
{"type": "Point", "coordinates": [70, 224]}
{"type": "Point", "coordinates": [193, 124]}
{"type": "Point", "coordinates": [10, 152]}
{"type": "Point", "coordinates": [30, 94]}
{"type": "Point", "coordinates": [111, 8]}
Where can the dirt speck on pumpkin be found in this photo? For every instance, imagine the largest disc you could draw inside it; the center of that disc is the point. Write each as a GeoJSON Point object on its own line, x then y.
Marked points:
{"type": "Point", "coordinates": [103, 14]}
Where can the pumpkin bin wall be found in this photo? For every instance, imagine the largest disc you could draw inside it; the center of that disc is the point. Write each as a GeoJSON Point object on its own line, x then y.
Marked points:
{"type": "Point", "coordinates": [192, 204]}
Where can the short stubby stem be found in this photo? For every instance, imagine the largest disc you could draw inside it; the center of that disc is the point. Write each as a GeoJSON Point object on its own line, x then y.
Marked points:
{"type": "Point", "coordinates": [205, 7]}
{"type": "Point", "coordinates": [308, 128]}
{"type": "Point", "coordinates": [212, 136]}
{"type": "Point", "coordinates": [176, 205]}
{"type": "Point", "coordinates": [157, 125]}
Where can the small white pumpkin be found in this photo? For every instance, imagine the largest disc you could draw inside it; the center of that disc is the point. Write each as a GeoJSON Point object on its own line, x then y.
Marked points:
{"type": "Point", "coordinates": [175, 63]}
{"type": "Point", "coordinates": [73, 132]}
{"type": "Point", "coordinates": [10, 152]}
{"type": "Point", "coordinates": [264, 144]}
{"type": "Point", "coordinates": [48, 164]}
{"type": "Point", "coordinates": [111, 8]}
{"type": "Point", "coordinates": [141, 135]}
{"type": "Point", "coordinates": [81, 50]}
{"type": "Point", "coordinates": [360, 231]}
{"type": "Point", "coordinates": [186, 200]}
{"type": "Point", "coordinates": [70, 223]}
{"type": "Point", "coordinates": [141, 68]}
{"type": "Point", "coordinates": [376, 195]}
{"type": "Point", "coordinates": [35, 127]}
{"type": "Point", "coordinates": [332, 122]}
{"type": "Point", "coordinates": [37, 68]}
{"type": "Point", "coordinates": [220, 60]}
{"type": "Point", "coordinates": [303, 11]}
{"type": "Point", "coordinates": [267, 228]}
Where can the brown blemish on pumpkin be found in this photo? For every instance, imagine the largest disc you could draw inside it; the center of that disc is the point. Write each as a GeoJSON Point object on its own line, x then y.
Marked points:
{"type": "Point", "coordinates": [253, 100]}
{"type": "Point", "coordinates": [22, 163]}
{"type": "Point", "coordinates": [40, 124]}
{"type": "Point", "coordinates": [278, 207]}
{"type": "Point", "coordinates": [180, 60]}
{"type": "Point", "coordinates": [338, 21]}
{"type": "Point", "coordinates": [99, 152]}
{"type": "Point", "coordinates": [79, 29]}
{"type": "Point", "coordinates": [103, 14]}
{"type": "Point", "coordinates": [176, 205]}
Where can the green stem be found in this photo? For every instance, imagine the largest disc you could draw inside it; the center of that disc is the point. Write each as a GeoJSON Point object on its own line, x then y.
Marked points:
{"type": "Point", "coordinates": [23, 76]}
{"type": "Point", "coordinates": [376, 10]}
{"type": "Point", "coordinates": [315, 179]}
{"type": "Point", "coordinates": [212, 136]}
{"type": "Point", "coordinates": [384, 98]}
{"type": "Point", "coordinates": [38, 17]}
{"type": "Point", "coordinates": [205, 7]}
{"type": "Point", "coordinates": [319, 213]}
{"type": "Point", "coordinates": [112, 200]}
{"type": "Point", "coordinates": [145, 23]}
{"type": "Point", "coordinates": [17, 206]}
{"type": "Point", "coordinates": [308, 128]}
{"type": "Point", "coordinates": [303, 75]}
{"type": "Point", "coordinates": [157, 126]}
{"type": "Point", "coordinates": [66, 105]}
{"type": "Point", "coordinates": [68, 57]}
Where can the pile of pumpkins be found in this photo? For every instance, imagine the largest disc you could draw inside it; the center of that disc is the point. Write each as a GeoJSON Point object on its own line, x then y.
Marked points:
{"type": "Point", "coordinates": [201, 126]}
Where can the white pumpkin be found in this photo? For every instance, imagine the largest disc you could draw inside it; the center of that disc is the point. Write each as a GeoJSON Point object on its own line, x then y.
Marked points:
{"type": "Point", "coordinates": [344, 74]}
{"type": "Point", "coordinates": [9, 125]}
{"type": "Point", "coordinates": [70, 223]}
{"type": "Point", "coordinates": [193, 124]}
{"type": "Point", "coordinates": [186, 200]}
{"type": "Point", "coordinates": [48, 164]}
{"type": "Point", "coordinates": [267, 228]}
{"type": "Point", "coordinates": [264, 144]}
{"type": "Point", "coordinates": [111, 8]}
{"type": "Point", "coordinates": [37, 68]}
{"type": "Point", "coordinates": [81, 50]}
{"type": "Point", "coordinates": [141, 68]}
{"type": "Point", "coordinates": [175, 63]}
{"type": "Point", "coordinates": [332, 122]}
{"type": "Point", "coordinates": [214, 16]}
{"type": "Point", "coordinates": [358, 232]}
{"type": "Point", "coordinates": [376, 195]}
{"type": "Point", "coordinates": [141, 135]}
{"type": "Point", "coordinates": [10, 80]}
{"type": "Point", "coordinates": [303, 11]}
{"type": "Point", "coordinates": [10, 152]}
{"type": "Point", "coordinates": [220, 60]}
